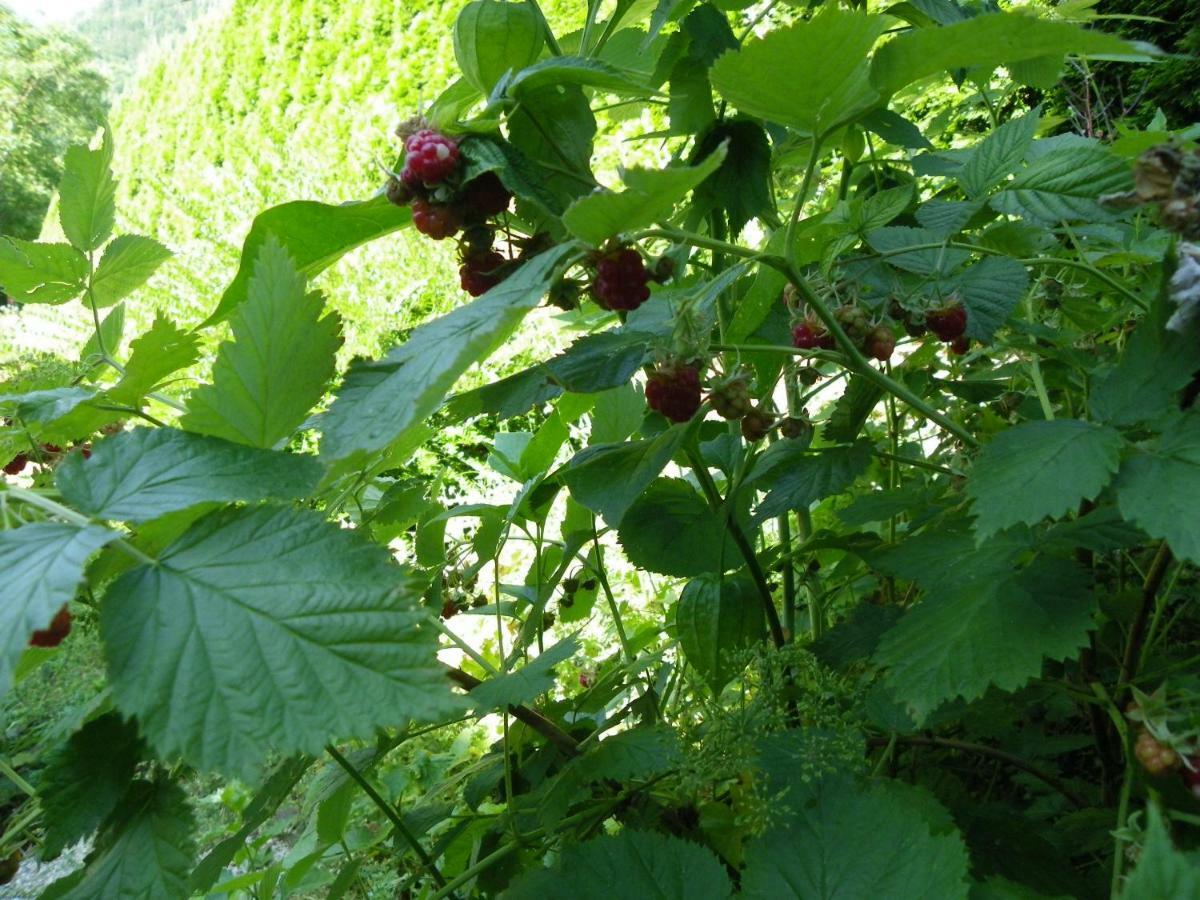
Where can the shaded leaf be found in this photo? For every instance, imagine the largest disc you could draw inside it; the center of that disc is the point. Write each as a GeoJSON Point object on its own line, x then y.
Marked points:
{"type": "Point", "coordinates": [671, 530]}
{"type": "Point", "coordinates": [1158, 488]}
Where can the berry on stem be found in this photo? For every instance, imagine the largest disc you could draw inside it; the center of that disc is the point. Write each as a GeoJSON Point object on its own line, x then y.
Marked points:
{"type": "Point", "coordinates": [947, 323]}
{"type": "Point", "coordinates": [480, 272]}
{"type": "Point", "coordinates": [674, 391]}
{"type": "Point", "coordinates": [430, 156]}
{"type": "Point", "coordinates": [1156, 758]}
{"type": "Point", "coordinates": [880, 343]}
{"type": "Point", "coordinates": [485, 197]}
{"type": "Point", "coordinates": [53, 634]}
{"type": "Point", "coordinates": [621, 280]}
{"type": "Point", "coordinates": [756, 424]}
{"type": "Point", "coordinates": [435, 220]}
{"type": "Point", "coordinates": [731, 398]}
{"type": "Point", "coordinates": [17, 464]}
{"type": "Point", "coordinates": [960, 345]}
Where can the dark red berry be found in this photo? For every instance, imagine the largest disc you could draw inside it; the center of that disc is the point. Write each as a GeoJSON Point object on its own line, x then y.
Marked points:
{"type": "Point", "coordinates": [795, 429]}
{"type": "Point", "coordinates": [485, 196]}
{"type": "Point", "coordinates": [434, 220]}
{"type": "Point", "coordinates": [881, 342]}
{"type": "Point", "coordinates": [449, 609]}
{"type": "Point", "coordinates": [587, 678]}
{"type": "Point", "coordinates": [53, 635]}
{"type": "Point", "coordinates": [809, 336]}
{"type": "Point", "coordinates": [431, 156]}
{"type": "Point", "coordinates": [17, 464]}
{"type": "Point", "coordinates": [756, 424]}
{"type": "Point", "coordinates": [960, 345]}
{"type": "Point", "coordinates": [480, 272]}
{"type": "Point", "coordinates": [914, 326]}
{"type": "Point", "coordinates": [621, 280]}
{"type": "Point", "coordinates": [86, 450]}
{"type": "Point", "coordinates": [947, 323]}
{"type": "Point", "coordinates": [674, 391]}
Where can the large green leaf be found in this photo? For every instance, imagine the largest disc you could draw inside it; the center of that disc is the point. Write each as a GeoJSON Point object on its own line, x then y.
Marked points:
{"type": "Point", "coordinates": [127, 264]}
{"type": "Point", "coordinates": [1145, 383]}
{"type": "Point", "coordinates": [42, 564]}
{"type": "Point", "coordinates": [809, 477]}
{"type": "Point", "coordinates": [142, 474]}
{"type": "Point", "coordinates": [994, 626]}
{"type": "Point", "coordinates": [671, 530]}
{"type": "Point", "coordinates": [268, 629]}
{"type": "Point", "coordinates": [607, 478]}
{"type": "Point", "coordinates": [716, 619]}
{"type": "Point", "coordinates": [649, 197]}
{"type": "Point", "coordinates": [1159, 488]}
{"type": "Point", "coordinates": [566, 70]}
{"type": "Point", "coordinates": [985, 41]}
{"type": "Point", "coordinates": [1162, 871]}
{"type": "Point", "coordinates": [839, 840]}
{"type": "Point", "coordinates": [41, 273]}
{"type": "Point", "coordinates": [315, 236]}
{"type": "Point", "coordinates": [811, 76]}
{"type": "Point", "coordinates": [86, 778]}
{"type": "Point", "coordinates": [276, 368]}
{"type": "Point", "coordinates": [145, 849]}
{"type": "Point", "coordinates": [86, 205]}
{"type": "Point", "coordinates": [162, 351]}
{"type": "Point", "coordinates": [998, 155]}
{"type": "Point", "coordinates": [380, 401]}
{"type": "Point", "coordinates": [990, 291]}
{"type": "Point", "coordinates": [524, 684]}
{"type": "Point", "coordinates": [1065, 183]}
{"type": "Point", "coordinates": [492, 38]}
{"type": "Point", "coordinates": [631, 866]}
{"type": "Point", "coordinates": [1040, 469]}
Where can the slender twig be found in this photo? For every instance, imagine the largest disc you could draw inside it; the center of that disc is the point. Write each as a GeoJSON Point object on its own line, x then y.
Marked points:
{"type": "Point", "coordinates": [524, 714]}
{"type": "Point", "coordinates": [1137, 631]}
{"type": "Point", "coordinates": [394, 817]}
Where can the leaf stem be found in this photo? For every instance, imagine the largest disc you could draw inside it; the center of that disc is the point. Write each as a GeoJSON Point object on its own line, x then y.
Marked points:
{"type": "Point", "coordinates": [1137, 631]}
{"type": "Point", "coordinates": [69, 515]}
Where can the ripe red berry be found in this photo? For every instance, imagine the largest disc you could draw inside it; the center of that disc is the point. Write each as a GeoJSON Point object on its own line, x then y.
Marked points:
{"type": "Point", "coordinates": [621, 280]}
{"type": "Point", "coordinates": [55, 632]}
{"type": "Point", "coordinates": [587, 678]}
{"type": "Point", "coordinates": [435, 220]}
{"type": "Point", "coordinates": [480, 272]}
{"type": "Point", "coordinates": [485, 196]}
{"type": "Point", "coordinates": [880, 342]}
{"type": "Point", "coordinates": [810, 336]}
{"type": "Point", "coordinates": [947, 323]}
{"type": "Point", "coordinates": [960, 345]}
{"type": "Point", "coordinates": [17, 464]}
{"type": "Point", "coordinates": [674, 391]}
{"type": "Point", "coordinates": [430, 156]}
{"type": "Point", "coordinates": [449, 609]}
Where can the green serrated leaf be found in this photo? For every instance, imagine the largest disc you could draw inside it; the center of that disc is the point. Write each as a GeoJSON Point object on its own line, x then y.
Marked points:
{"type": "Point", "coordinates": [268, 629]}
{"type": "Point", "coordinates": [1162, 871]}
{"type": "Point", "coordinates": [990, 291]}
{"type": "Point", "coordinates": [86, 778]}
{"type": "Point", "coordinates": [86, 204]}
{"type": "Point", "coordinates": [608, 478]}
{"type": "Point", "coordinates": [41, 273]}
{"type": "Point", "coordinates": [160, 352]}
{"type": "Point", "coordinates": [380, 401]}
{"type": "Point", "coordinates": [565, 70]}
{"type": "Point", "coordinates": [670, 529]}
{"type": "Point", "coordinates": [524, 684]}
{"type": "Point", "coordinates": [1037, 470]}
{"type": "Point", "coordinates": [812, 477]}
{"type": "Point", "coordinates": [42, 564]}
{"type": "Point", "coordinates": [851, 410]}
{"type": "Point", "coordinates": [1065, 184]}
{"type": "Point", "coordinates": [127, 264]}
{"type": "Point", "coordinates": [791, 77]}
{"type": "Point", "coordinates": [999, 154]}
{"type": "Point", "coordinates": [650, 195]}
{"type": "Point", "coordinates": [493, 38]}
{"type": "Point", "coordinates": [142, 474]}
{"type": "Point", "coordinates": [314, 235]}
{"type": "Point", "coordinates": [1145, 383]}
{"type": "Point", "coordinates": [277, 366]}
{"type": "Point", "coordinates": [716, 619]}
{"type": "Point", "coordinates": [993, 630]}
{"type": "Point", "coordinates": [1159, 487]}
{"type": "Point", "coordinates": [145, 849]}
{"type": "Point", "coordinates": [821, 849]}
{"type": "Point", "coordinates": [633, 865]}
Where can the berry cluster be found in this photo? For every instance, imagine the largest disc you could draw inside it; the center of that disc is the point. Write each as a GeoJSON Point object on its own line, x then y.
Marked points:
{"type": "Point", "coordinates": [1156, 758]}
{"type": "Point", "coordinates": [54, 633]}
{"type": "Point", "coordinates": [731, 398]}
{"type": "Point", "coordinates": [622, 281]}
{"type": "Point", "coordinates": [674, 391]}
{"type": "Point", "coordinates": [443, 205]}
{"type": "Point", "coordinates": [876, 340]}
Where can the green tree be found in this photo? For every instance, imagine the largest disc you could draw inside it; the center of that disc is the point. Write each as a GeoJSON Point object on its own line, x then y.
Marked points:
{"type": "Point", "coordinates": [50, 97]}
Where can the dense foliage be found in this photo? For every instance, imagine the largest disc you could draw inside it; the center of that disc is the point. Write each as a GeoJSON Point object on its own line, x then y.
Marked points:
{"type": "Point", "coordinates": [50, 97]}
{"type": "Point", "coordinates": [834, 557]}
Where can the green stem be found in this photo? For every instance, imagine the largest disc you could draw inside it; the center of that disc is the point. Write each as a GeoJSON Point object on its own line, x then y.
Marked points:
{"type": "Point", "coordinates": [1039, 386]}
{"type": "Point", "coordinates": [602, 577]}
{"type": "Point", "coordinates": [551, 40]}
{"type": "Point", "coordinates": [814, 157]}
{"type": "Point", "coordinates": [69, 515]}
{"type": "Point", "coordinates": [743, 545]}
{"type": "Point", "coordinates": [389, 811]}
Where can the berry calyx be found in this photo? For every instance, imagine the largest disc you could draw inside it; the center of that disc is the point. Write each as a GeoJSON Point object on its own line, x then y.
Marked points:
{"type": "Point", "coordinates": [621, 280]}
{"type": "Point", "coordinates": [430, 156]}
{"type": "Point", "coordinates": [947, 323]}
{"type": "Point", "coordinates": [435, 220]}
{"type": "Point", "coordinates": [756, 424]}
{"type": "Point", "coordinates": [1156, 758]}
{"type": "Point", "coordinates": [674, 391]}
{"type": "Point", "coordinates": [53, 634]}
{"type": "Point", "coordinates": [17, 464]}
{"type": "Point", "coordinates": [880, 343]}
{"type": "Point", "coordinates": [398, 192]}
{"type": "Point", "coordinates": [731, 399]}
{"type": "Point", "coordinates": [480, 272]}
{"type": "Point", "coordinates": [485, 197]}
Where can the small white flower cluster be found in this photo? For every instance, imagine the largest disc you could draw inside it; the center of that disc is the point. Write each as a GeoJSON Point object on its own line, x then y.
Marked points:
{"type": "Point", "coordinates": [1185, 288]}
